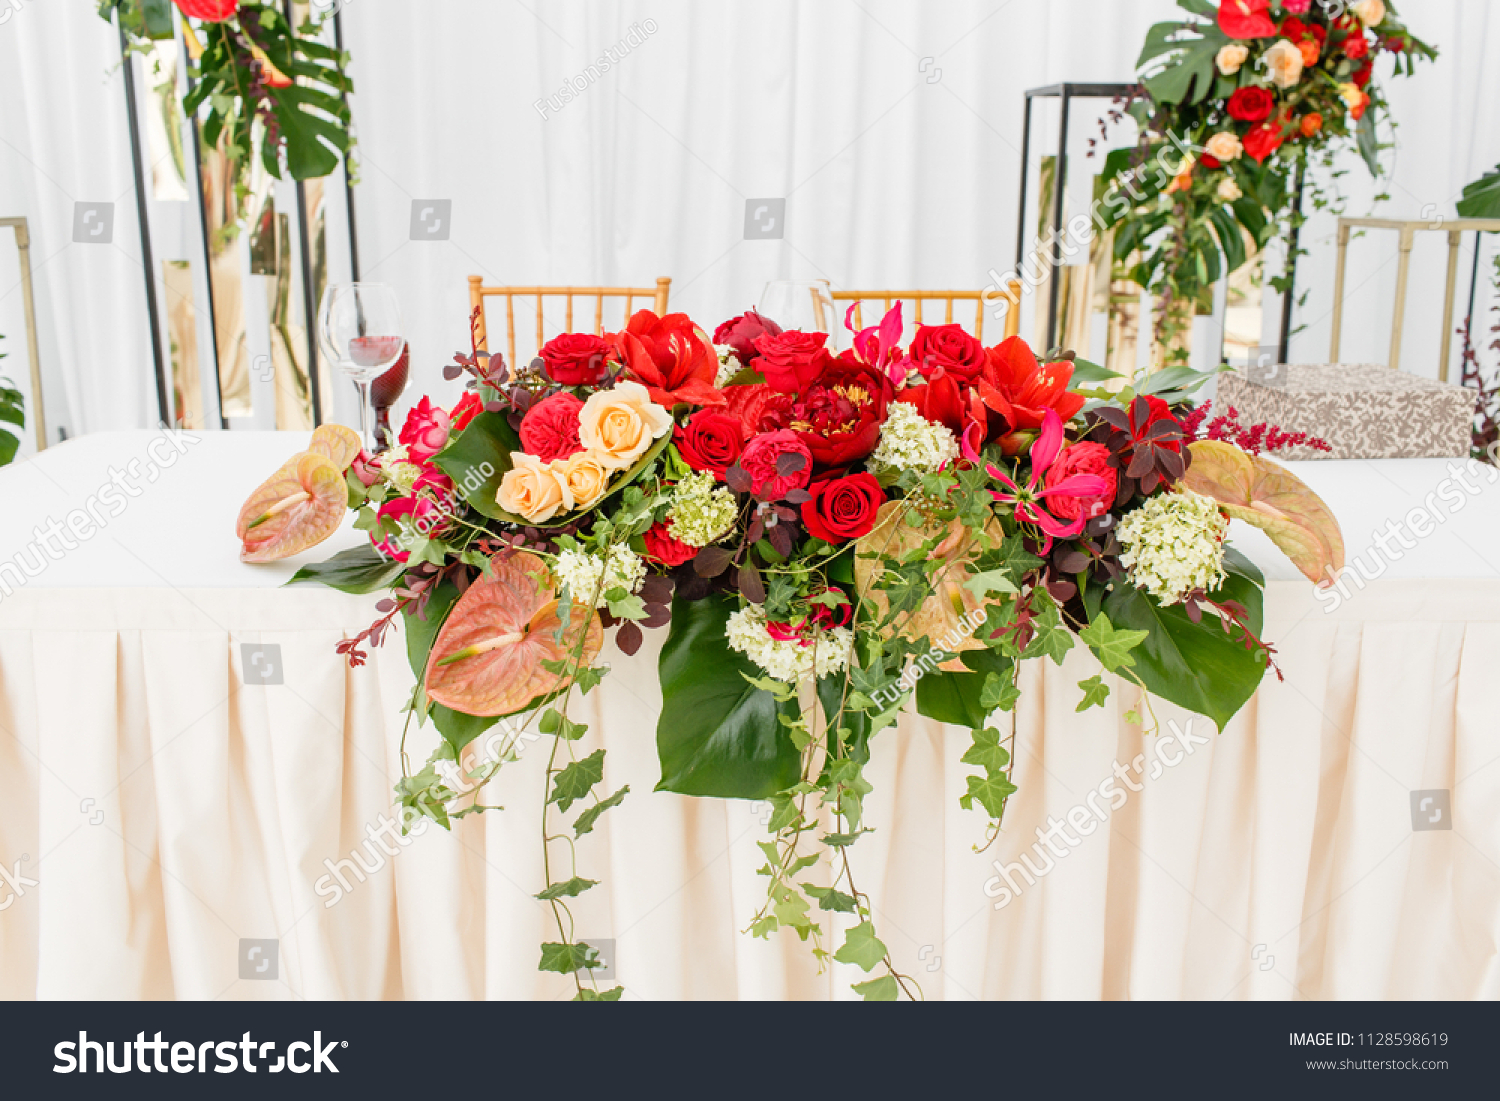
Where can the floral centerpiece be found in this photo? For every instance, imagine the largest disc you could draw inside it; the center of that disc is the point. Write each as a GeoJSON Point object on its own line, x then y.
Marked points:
{"type": "Point", "coordinates": [823, 537]}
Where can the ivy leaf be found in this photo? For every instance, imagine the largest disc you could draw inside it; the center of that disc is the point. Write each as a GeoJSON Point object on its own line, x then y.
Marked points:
{"type": "Point", "coordinates": [610, 995]}
{"type": "Point", "coordinates": [990, 581]}
{"type": "Point", "coordinates": [571, 889]}
{"type": "Point", "coordinates": [574, 782]}
{"type": "Point", "coordinates": [567, 958]}
{"type": "Point", "coordinates": [883, 989]}
{"type": "Point", "coordinates": [552, 722]}
{"type": "Point", "coordinates": [586, 678]}
{"type": "Point", "coordinates": [586, 820]}
{"type": "Point", "coordinates": [987, 752]}
{"type": "Point", "coordinates": [1095, 693]}
{"type": "Point", "coordinates": [791, 908]}
{"type": "Point", "coordinates": [830, 899]}
{"type": "Point", "coordinates": [990, 791]}
{"type": "Point", "coordinates": [861, 947]}
{"type": "Point", "coordinates": [783, 813]}
{"type": "Point", "coordinates": [999, 693]}
{"type": "Point", "coordinates": [1111, 646]}
{"type": "Point", "coordinates": [842, 840]}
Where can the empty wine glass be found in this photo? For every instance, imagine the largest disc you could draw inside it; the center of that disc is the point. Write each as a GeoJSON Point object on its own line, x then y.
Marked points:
{"type": "Point", "coordinates": [804, 306]}
{"type": "Point", "coordinates": [359, 327]}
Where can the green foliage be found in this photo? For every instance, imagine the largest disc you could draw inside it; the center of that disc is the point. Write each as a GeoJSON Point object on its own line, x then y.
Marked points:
{"type": "Point", "coordinates": [1482, 197]}
{"type": "Point", "coordinates": [573, 782]}
{"type": "Point", "coordinates": [958, 698]}
{"type": "Point", "coordinates": [359, 570]}
{"type": "Point", "coordinates": [585, 821]}
{"type": "Point", "coordinates": [569, 889]}
{"type": "Point", "coordinates": [11, 413]}
{"type": "Point", "coordinates": [568, 958]}
{"type": "Point", "coordinates": [1177, 61]}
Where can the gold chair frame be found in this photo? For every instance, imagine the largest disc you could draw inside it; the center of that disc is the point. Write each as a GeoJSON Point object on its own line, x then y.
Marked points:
{"type": "Point", "coordinates": [1011, 294]}
{"type": "Point", "coordinates": [478, 292]}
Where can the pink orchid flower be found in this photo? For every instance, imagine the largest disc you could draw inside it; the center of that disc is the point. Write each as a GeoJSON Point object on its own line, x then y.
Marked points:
{"type": "Point", "coordinates": [1030, 500]}
{"type": "Point", "coordinates": [880, 346]}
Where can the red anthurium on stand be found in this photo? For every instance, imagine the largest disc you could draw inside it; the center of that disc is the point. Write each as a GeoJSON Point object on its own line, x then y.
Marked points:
{"type": "Point", "coordinates": [1246, 18]}
{"type": "Point", "coordinates": [210, 11]}
{"type": "Point", "coordinates": [1030, 500]}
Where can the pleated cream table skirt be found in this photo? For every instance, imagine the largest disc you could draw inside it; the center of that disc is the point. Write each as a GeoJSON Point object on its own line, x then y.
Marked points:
{"type": "Point", "coordinates": [155, 811]}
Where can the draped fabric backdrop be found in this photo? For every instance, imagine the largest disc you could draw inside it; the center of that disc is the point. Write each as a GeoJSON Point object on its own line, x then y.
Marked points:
{"type": "Point", "coordinates": [891, 127]}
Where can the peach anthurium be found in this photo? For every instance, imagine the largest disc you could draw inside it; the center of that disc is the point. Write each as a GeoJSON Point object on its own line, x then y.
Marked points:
{"type": "Point", "coordinates": [1273, 499]}
{"type": "Point", "coordinates": [337, 444]}
{"type": "Point", "coordinates": [487, 659]}
{"type": "Point", "coordinates": [298, 507]}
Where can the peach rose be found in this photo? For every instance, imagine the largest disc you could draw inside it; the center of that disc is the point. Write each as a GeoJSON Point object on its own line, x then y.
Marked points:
{"type": "Point", "coordinates": [582, 477]}
{"type": "Point", "coordinates": [1284, 62]}
{"type": "Point", "coordinates": [619, 425]}
{"type": "Point", "coordinates": [1232, 58]}
{"type": "Point", "coordinates": [1224, 146]}
{"type": "Point", "coordinates": [1371, 12]}
{"type": "Point", "coordinates": [529, 490]}
{"type": "Point", "coordinates": [1229, 191]}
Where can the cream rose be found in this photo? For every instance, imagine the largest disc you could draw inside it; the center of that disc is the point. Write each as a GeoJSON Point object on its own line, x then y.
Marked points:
{"type": "Point", "coordinates": [1351, 94]}
{"type": "Point", "coordinates": [582, 477]}
{"type": "Point", "coordinates": [1224, 146]}
{"type": "Point", "coordinates": [529, 490]}
{"type": "Point", "coordinates": [1284, 61]}
{"type": "Point", "coordinates": [619, 425]}
{"type": "Point", "coordinates": [1371, 12]}
{"type": "Point", "coordinates": [1229, 191]}
{"type": "Point", "coordinates": [1232, 58]}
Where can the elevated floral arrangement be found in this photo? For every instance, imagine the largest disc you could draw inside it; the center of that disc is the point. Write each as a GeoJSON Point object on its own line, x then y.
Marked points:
{"type": "Point", "coordinates": [825, 538]}
{"type": "Point", "coordinates": [1242, 97]}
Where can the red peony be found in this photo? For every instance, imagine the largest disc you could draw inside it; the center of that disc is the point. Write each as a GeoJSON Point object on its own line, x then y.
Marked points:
{"type": "Point", "coordinates": [949, 349]}
{"type": "Point", "coordinates": [550, 428]}
{"type": "Point", "coordinates": [1022, 391]}
{"type": "Point", "coordinates": [1246, 18]}
{"type": "Point", "coordinates": [1356, 46]}
{"type": "Point", "coordinates": [577, 359]}
{"type": "Point", "coordinates": [791, 360]}
{"type": "Point", "coordinates": [839, 415]}
{"type": "Point", "coordinates": [664, 547]}
{"type": "Point", "coordinates": [842, 509]}
{"type": "Point", "coordinates": [712, 440]}
{"type": "Point", "coordinates": [671, 357]}
{"type": "Point", "coordinates": [1082, 458]}
{"type": "Point", "coordinates": [771, 461]}
{"type": "Point", "coordinates": [468, 407]}
{"type": "Point", "coordinates": [425, 432]}
{"type": "Point", "coordinates": [1263, 140]}
{"type": "Point", "coordinates": [740, 333]}
{"type": "Point", "coordinates": [210, 11]}
{"type": "Point", "coordinates": [1251, 104]}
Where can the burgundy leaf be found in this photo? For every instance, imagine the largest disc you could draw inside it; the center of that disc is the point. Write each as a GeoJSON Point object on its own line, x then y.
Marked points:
{"type": "Point", "coordinates": [1141, 464]}
{"type": "Point", "coordinates": [1071, 561]}
{"type": "Point", "coordinates": [781, 539]}
{"type": "Point", "coordinates": [738, 480]}
{"type": "Point", "coordinates": [712, 561]}
{"type": "Point", "coordinates": [789, 463]}
{"type": "Point", "coordinates": [751, 585]}
{"type": "Point", "coordinates": [798, 497]}
{"type": "Point", "coordinates": [628, 638]}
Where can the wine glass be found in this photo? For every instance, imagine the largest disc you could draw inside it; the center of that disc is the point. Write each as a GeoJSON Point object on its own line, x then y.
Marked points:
{"type": "Point", "coordinates": [804, 306]}
{"type": "Point", "coordinates": [359, 328]}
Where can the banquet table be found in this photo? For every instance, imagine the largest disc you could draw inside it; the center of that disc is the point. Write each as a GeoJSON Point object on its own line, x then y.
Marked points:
{"type": "Point", "coordinates": [185, 762]}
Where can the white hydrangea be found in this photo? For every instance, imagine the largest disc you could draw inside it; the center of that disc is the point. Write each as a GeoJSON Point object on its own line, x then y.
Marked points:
{"type": "Point", "coordinates": [729, 364]}
{"type": "Point", "coordinates": [702, 511]}
{"type": "Point", "coordinates": [787, 661]}
{"type": "Point", "coordinates": [909, 441]}
{"type": "Point", "coordinates": [580, 572]}
{"type": "Point", "coordinates": [1174, 544]}
{"type": "Point", "coordinates": [398, 470]}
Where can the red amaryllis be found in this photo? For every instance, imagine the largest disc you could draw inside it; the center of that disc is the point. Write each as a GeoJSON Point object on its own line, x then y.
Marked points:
{"type": "Point", "coordinates": [468, 407]}
{"type": "Point", "coordinates": [841, 509]}
{"type": "Point", "coordinates": [838, 417]}
{"type": "Point", "coordinates": [712, 440]}
{"type": "Point", "coordinates": [947, 349]}
{"type": "Point", "coordinates": [791, 360]}
{"type": "Point", "coordinates": [425, 432]}
{"type": "Point", "coordinates": [550, 428]}
{"type": "Point", "coordinates": [1251, 104]}
{"type": "Point", "coordinates": [577, 359]}
{"type": "Point", "coordinates": [945, 400]}
{"type": "Point", "coordinates": [671, 357]}
{"type": "Point", "coordinates": [210, 11]}
{"type": "Point", "coordinates": [1033, 502]}
{"type": "Point", "coordinates": [664, 547]}
{"type": "Point", "coordinates": [1023, 391]}
{"type": "Point", "coordinates": [1083, 458]}
{"type": "Point", "coordinates": [777, 463]}
{"type": "Point", "coordinates": [1246, 18]}
{"type": "Point", "coordinates": [740, 333]}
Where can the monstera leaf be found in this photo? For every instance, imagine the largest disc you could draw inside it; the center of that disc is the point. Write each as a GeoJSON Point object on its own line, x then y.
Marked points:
{"type": "Point", "coordinates": [1177, 63]}
{"type": "Point", "coordinates": [1482, 197]}
{"type": "Point", "coordinates": [1272, 498]}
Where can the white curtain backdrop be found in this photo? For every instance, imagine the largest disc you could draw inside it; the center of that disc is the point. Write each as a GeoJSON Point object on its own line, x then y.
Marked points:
{"type": "Point", "coordinates": [891, 127]}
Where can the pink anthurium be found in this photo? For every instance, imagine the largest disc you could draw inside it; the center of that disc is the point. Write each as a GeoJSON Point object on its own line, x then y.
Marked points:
{"type": "Point", "coordinates": [1030, 500]}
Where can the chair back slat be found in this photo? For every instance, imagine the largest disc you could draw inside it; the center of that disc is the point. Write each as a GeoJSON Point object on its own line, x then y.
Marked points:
{"type": "Point", "coordinates": [478, 292]}
{"type": "Point", "coordinates": [1011, 294]}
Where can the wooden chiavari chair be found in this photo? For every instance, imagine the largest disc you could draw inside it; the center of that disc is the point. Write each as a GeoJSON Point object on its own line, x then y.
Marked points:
{"type": "Point", "coordinates": [1011, 294]}
{"type": "Point", "coordinates": [478, 292]}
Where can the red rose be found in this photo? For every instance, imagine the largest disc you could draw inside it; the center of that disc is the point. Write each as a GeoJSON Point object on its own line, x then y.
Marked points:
{"type": "Point", "coordinates": [843, 508]}
{"type": "Point", "coordinates": [947, 348]}
{"type": "Point", "coordinates": [1208, 160]}
{"type": "Point", "coordinates": [839, 415]}
{"type": "Point", "coordinates": [664, 547]}
{"type": "Point", "coordinates": [1159, 411]}
{"type": "Point", "coordinates": [576, 359]}
{"type": "Point", "coordinates": [550, 428]}
{"type": "Point", "coordinates": [1293, 28]}
{"type": "Point", "coordinates": [671, 357]}
{"type": "Point", "coordinates": [425, 432]}
{"type": "Point", "coordinates": [468, 407]}
{"type": "Point", "coordinates": [1356, 46]}
{"type": "Point", "coordinates": [740, 333]}
{"type": "Point", "coordinates": [1263, 140]}
{"type": "Point", "coordinates": [210, 11]}
{"type": "Point", "coordinates": [712, 440]}
{"type": "Point", "coordinates": [771, 461]}
{"type": "Point", "coordinates": [1251, 104]}
{"type": "Point", "coordinates": [791, 360]}
{"type": "Point", "coordinates": [1021, 390]}
{"type": "Point", "coordinates": [1362, 75]}
{"type": "Point", "coordinates": [1246, 18]}
{"type": "Point", "coordinates": [1082, 458]}
{"type": "Point", "coordinates": [366, 468]}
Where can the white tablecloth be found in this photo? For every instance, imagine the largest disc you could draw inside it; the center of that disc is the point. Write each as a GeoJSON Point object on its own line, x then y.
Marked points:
{"type": "Point", "coordinates": [155, 810]}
